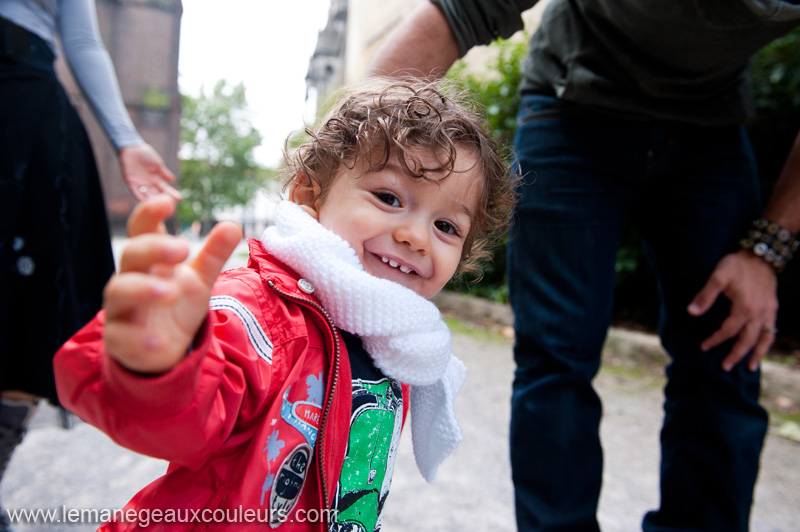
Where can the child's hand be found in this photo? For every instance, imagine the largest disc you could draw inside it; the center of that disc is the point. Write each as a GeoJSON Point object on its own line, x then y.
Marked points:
{"type": "Point", "coordinates": [156, 304]}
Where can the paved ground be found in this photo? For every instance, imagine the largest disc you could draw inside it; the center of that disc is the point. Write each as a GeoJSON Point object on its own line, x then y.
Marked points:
{"type": "Point", "coordinates": [81, 468]}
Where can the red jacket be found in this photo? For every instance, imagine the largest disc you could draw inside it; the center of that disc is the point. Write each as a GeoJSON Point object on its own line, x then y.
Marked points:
{"type": "Point", "coordinates": [238, 418]}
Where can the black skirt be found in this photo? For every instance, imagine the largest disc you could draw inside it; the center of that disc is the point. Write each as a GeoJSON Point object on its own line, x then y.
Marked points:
{"type": "Point", "coordinates": [55, 247]}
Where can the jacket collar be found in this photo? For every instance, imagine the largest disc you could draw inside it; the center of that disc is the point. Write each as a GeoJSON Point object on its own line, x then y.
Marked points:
{"type": "Point", "coordinates": [270, 268]}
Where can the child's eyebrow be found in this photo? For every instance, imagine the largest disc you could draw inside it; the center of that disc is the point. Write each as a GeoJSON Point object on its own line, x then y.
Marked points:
{"type": "Point", "coordinates": [464, 208]}
{"type": "Point", "coordinates": [396, 168]}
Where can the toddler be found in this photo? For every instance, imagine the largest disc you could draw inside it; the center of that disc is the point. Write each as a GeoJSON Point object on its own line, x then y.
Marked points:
{"type": "Point", "coordinates": [277, 392]}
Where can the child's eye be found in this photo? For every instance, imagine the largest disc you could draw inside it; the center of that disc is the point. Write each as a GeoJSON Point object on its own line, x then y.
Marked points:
{"type": "Point", "coordinates": [388, 198]}
{"type": "Point", "coordinates": [447, 227]}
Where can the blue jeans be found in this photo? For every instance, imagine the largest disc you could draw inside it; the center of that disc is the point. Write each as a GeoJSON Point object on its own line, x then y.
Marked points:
{"type": "Point", "coordinates": [691, 191]}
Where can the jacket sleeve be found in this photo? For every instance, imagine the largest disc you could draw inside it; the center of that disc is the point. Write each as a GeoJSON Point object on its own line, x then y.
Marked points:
{"type": "Point", "coordinates": [181, 416]}
{"type": "Point", "coordinates": [476, 22]}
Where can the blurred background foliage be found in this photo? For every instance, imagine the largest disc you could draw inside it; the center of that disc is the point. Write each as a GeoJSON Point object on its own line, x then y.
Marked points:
{"type": "Point", "coordinates": [495, 90]}
{"type": "Point", "coordinates": [775, 81]}
{"type": "Point", "coordinates": [218, 167]}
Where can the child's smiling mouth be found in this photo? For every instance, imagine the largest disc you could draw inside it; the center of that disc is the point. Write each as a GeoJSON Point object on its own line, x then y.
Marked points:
{"type": "Point", "coordinates": [394, 264]}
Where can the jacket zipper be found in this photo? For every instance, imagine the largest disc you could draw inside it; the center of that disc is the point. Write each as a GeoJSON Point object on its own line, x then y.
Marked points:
{"type": "Point", "coordinates": [334, 374]}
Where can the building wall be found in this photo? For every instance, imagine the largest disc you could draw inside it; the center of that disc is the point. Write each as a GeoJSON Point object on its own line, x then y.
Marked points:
{"type": "Point", "coordinates": [370, 22]}
{"type": "Point", "coordinates": [326, 66]}
{"type": "Point", "coordinates": [142, 37]}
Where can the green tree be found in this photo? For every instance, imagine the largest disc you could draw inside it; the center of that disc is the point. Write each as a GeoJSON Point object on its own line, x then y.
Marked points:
{"type": "Point", "coordinates": [496, 88]}
{"type": "Point", "coordinates": [217, 166]}
{"type": "Point", "coordinates": [496, 92]}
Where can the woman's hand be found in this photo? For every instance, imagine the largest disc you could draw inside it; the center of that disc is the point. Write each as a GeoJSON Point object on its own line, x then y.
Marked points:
{"type": "Point", "coordinates": [145, 172]}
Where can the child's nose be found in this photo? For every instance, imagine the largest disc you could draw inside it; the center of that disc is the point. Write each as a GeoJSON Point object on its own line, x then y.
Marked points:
{"type": "Point", "coordinates": [413, 233]}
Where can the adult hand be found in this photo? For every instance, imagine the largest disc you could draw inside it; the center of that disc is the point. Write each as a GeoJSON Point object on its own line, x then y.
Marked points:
{"type": "Point", "coordinates": [750, 284]}
{"type": "Point", "coordinates": [157, 303]}
{"type": "Point", "coordinates": [145, 172]}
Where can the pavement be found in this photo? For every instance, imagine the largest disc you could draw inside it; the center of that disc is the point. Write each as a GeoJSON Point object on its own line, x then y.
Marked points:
{"type": "Point", "coordinates": [80, 468]}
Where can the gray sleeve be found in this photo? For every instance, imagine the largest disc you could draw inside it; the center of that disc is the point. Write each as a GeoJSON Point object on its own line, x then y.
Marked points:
{"type": "Point", "coordinates": [476, 22]}
{"type": "Point", "coordinates": [94, 71]}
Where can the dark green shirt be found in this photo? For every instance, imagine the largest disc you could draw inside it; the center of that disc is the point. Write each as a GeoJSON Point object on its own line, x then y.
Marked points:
{"type": "Point", "coordinates": [683, 60]}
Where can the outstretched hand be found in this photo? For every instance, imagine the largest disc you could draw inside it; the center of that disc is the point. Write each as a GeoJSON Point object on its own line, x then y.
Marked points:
{"type": "Point", "coordinates": [157, 303]}
{"type": "Point", "coordinates": [145, 173]}
{"type": "Point", "coordinates": [750, 285]}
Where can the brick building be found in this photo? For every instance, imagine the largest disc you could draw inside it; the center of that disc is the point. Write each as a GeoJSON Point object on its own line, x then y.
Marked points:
{"type": "Point", "coordinates": [142, 37]}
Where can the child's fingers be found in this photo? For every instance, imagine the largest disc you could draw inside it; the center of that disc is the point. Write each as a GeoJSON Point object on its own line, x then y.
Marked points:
{"type": "Point", "coordinates": [219, 245]}
{"type": "Point", "coordinates": [124, 340]}
{"type": "Point", "coordinates": [136, 348]}
{"type": "Point", "coordinates": [142, 252]}
{"type": "Point", "coordinates": [149, 215]}
{"type": "Point", "coordinates": [125, 294]}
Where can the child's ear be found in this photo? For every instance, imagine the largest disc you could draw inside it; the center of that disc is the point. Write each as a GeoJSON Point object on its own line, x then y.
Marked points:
{"type": "Point", "coordinates": [305, 193]}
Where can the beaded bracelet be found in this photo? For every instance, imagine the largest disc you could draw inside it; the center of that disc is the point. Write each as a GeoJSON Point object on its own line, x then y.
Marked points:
{"type": "Point", "coordinates": [773, 243]}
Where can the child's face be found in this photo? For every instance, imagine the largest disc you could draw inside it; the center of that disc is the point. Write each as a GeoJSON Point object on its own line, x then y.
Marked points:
{"type": "Point", "coordinates": [407, 230]}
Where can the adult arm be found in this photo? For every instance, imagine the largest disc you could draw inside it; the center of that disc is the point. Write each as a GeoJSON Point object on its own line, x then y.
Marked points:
{"type": "Point", "coordinates": [422, 45]}
{"type": "Point", "coordinates": [749, 282]}
{"type": "Point", "coordinates": [438, 32]}
{"type": "Point", "coordinates": [143, 168]}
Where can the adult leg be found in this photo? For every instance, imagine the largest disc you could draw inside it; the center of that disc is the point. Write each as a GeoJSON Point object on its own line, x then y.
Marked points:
{"type": "Point", "coordinates": [16, 411]}
{"type": "Point", "coordinates": [25, 98]}
{"type": "Point", "coordinates": [56, 255]}
{"type": "Point", "coordinates": [703, 194]}
{"type": "Point", "coordinates": [55, 252]}
{"type": "Point", "coordinates": [579, 179]}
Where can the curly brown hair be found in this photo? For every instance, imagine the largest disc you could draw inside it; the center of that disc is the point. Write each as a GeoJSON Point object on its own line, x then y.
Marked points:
{"type": "Point", "coordinates": [381, 118]}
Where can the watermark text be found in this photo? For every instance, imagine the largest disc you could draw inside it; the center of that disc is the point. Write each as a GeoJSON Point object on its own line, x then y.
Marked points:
{"type": "Point", "coordinates": [147, 516]}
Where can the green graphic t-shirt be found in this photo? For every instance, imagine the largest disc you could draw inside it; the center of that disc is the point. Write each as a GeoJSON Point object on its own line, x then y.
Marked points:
{"type": "Point", "coordinates": [375, 425]}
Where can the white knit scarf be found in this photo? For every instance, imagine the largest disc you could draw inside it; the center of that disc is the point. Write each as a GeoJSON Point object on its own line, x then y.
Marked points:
{"type": "Point", "coordinates": [402, 331]}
